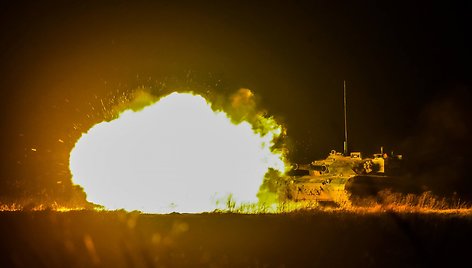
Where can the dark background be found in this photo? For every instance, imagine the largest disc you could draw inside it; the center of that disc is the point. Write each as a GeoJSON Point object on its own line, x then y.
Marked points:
{"type": "Point", "coordinates": [406, 66]}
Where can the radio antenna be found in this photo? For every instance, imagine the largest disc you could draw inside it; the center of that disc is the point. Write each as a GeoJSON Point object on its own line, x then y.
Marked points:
{"type": "Point", "coordinates": [345, 120]}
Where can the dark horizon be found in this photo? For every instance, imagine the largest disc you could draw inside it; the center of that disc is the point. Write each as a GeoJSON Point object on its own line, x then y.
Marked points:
{"type": "Point", "coordinates": [406, 66]}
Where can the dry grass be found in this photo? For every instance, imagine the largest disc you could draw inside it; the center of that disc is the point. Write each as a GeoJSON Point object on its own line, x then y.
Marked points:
{"type": "Point", "coordinates": [385, 201]}
{"type": "Point", "coordinates": [412, 203]}
{"type": "Point", "coordinates": [38, 207]}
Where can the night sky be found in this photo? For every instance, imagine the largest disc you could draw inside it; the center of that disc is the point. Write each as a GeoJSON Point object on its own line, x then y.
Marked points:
{"type": "Point", "coordinates": [407, 68]}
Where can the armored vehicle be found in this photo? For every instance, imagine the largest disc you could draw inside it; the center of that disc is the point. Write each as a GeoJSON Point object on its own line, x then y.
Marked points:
{"type": "Point", "coordinates": [339, 176]}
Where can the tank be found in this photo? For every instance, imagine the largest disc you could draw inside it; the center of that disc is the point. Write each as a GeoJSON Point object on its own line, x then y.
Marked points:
{"type": "Point", "coordinates": [340, 177]}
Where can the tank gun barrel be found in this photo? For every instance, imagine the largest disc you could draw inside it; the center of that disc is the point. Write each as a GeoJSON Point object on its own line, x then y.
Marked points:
{"type": "Point", "coordinates": [309, 167]}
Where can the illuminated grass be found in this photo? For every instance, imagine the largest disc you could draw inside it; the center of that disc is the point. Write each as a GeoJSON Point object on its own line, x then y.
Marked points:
{"type": "Point", "coordinates": [385, 202]}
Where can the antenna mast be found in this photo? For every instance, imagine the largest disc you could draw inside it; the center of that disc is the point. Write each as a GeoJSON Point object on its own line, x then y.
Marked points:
{"type": "Point", "coordinates": [345, 120]}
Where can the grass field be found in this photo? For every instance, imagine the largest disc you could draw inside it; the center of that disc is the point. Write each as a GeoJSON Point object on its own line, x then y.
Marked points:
{"type": "Point", "coordinates": [301, 239]}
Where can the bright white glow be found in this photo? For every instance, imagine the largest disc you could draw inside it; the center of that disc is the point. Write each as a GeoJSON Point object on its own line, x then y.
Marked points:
{"type": "Point", "coordinates": [174, 155]}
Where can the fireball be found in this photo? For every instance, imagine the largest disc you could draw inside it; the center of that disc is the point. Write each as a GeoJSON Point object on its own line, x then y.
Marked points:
{"type": "Point", "coordinates": [175, 155]}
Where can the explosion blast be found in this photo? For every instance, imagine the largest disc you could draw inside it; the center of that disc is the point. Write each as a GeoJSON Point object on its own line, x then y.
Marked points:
{"type": "Point", "coordinates": [174, 155]}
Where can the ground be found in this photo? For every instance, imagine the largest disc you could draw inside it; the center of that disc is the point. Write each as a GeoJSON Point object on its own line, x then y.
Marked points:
{"type": "Point", "coordinates": [301, 239]}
